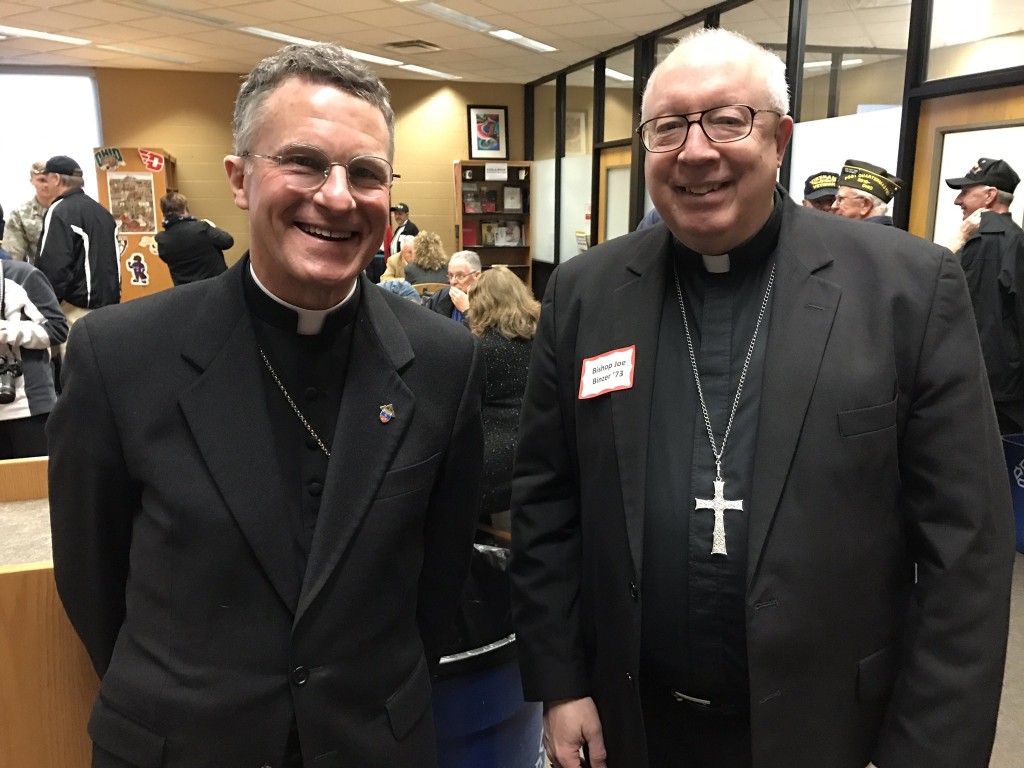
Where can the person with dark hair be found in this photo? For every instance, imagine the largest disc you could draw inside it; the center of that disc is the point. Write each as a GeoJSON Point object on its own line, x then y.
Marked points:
{"type": "Point", "coordinates": [820, 191]}
{"type": "Point", "coordinates": [403, 226]}
{"type": "Point", "coordinates": [266, 483]}
{"type": "Point", "coordinates": [192, 249]}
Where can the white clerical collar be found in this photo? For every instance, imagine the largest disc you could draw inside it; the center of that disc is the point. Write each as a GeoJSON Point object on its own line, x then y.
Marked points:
{"type": "Point", "coordinates": [311, 321]}
{"type": "Point", "coordinates": [717, 264]}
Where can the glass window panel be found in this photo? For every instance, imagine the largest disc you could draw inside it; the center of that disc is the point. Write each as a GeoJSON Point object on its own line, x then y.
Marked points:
{"type": "Point", "coordinates": [855, 58]}
{"type": "Point", "coordinates": [576, 165]}
{"type": "Point", "coordinates": [618, 96]}
{"type": "Point", "coordinates": [542, 205]}
{"type": "Point", "coordinates": [979, 36]}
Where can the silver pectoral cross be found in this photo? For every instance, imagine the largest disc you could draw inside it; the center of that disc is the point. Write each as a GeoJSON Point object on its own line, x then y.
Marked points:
{"type": "Point", "coordinates": [719, 504]}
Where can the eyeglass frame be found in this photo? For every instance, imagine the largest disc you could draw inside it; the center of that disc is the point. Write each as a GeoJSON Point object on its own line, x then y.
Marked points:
{"type": "Point", "coordinates": [278, 159]}
{"type": "Point", "coordinates": [462, 276]}
{"type": "Point", "coordinates": [700, 122]}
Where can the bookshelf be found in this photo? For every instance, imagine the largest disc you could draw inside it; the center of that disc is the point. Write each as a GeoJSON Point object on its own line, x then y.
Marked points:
{"type": "Point", "coordinates": [492, 213]}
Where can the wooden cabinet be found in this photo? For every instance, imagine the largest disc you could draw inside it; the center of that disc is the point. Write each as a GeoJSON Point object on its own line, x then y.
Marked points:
{"type": "Point", "coordinates": [492, 213]}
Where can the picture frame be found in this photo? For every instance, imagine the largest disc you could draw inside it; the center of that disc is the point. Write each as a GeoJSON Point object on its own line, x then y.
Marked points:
{"type": "Point", "coordinates": [575, 133]}
{"type": "Point", "coordinates": [488, 132]}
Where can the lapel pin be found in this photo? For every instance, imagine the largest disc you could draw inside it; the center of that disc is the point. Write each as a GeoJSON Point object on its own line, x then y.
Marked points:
{"type": "Point", "coordinates": [387, 413]}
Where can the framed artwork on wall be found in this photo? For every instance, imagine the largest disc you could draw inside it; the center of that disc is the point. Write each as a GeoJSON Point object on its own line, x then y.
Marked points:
{"type": "Point", "coordinates": [575, 133]}
{"type": "Point", "coordinates": [488, 132]}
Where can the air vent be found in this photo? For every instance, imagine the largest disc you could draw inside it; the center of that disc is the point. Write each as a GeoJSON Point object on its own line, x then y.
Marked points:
{"type": "Point", "coordinates": [413, 46]}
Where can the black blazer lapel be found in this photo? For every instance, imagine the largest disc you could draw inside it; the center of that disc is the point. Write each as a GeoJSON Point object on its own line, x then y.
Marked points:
{"type": "Point", "coordinates": [232, 430]}
{"type": "Point", "coordinates": [364, 446]}
{"type": "Point", "coordinates": [803, 308]}
{"type": "Point", "coordinates": [637, 305]}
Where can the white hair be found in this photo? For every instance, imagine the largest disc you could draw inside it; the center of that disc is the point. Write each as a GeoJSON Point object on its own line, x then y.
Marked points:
{"type": "Point", "coordinates": [714, 44]}
{"type": "Point", "coordinates": [470, 259]}
{"type": "Point", "coordinates": [878, 206]}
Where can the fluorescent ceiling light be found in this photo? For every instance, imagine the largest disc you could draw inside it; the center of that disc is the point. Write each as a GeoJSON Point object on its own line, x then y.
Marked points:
{"type": "Point", "coordinates": [430, 72]}
{"type": "Point", "coordinates": [171, 10]}
{"type": "Point", "coordinates": [283, 38]}
{"type": "Point", "coordinates": [146, 54]}
{"type": "Point", "coordinates": [825, 64]}
{"type": "Point", "coordinates": [17, 32]}
{"type": "Point", "coordinates": [514, 37]}
{"type": "Point", "coordinates": [453, 17]}
{"type": "Point", "coordinates": [616, 75]}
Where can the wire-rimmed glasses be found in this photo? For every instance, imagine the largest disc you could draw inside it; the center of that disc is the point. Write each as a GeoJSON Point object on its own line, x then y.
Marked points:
{"type": "Point", "coordinates": [722, 125]}
{"type": "Point", "coordinates": [308, 168]}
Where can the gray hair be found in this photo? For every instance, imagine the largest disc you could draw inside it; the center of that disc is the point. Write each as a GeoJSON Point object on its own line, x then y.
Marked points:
{"type": "Point", "coordinates": [470, 259]}
{"type": "Point", "coordinates": [714, 44]}
{"type": "Point", "coordinates": [71, 182]}
{"type": "Point", "coordinates": [323, 63]}
{"type": "Point", "coordinates": [878, 206]}
{"type": "Point", "coordinates": [1004, 198]}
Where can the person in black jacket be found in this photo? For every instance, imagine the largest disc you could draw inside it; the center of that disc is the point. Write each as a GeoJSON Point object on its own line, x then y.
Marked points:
{"type": "Point", "coordinates": [192, 249]}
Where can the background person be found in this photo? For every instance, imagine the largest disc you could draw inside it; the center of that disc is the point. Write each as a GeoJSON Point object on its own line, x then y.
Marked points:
{"type": "Point", "coordinates": [453, 300]}
{"type": "Point", "coordinates": [429, 260]}
{"type": "Point", "coordinates": [396, 262]}
{"type": "Point", "coordinates": [757, 572]}
{"type": "Point", "coordinates": [25, 224]}
{"type": "Point", "coordinates": [31, 322]}
{"type": "Point", "coordinates": [265, 484]}
{"type": "Point", "coordinates": [403, 226]}
{"type": "Point", "coordinates": [992, 256]}
{"type": "Point", "coordinates": [820, 191]}
{"type": "Point", "coordinates": [864, 191]}
{"type": "Point", "coordinates": [505, 320]}
{"type": "Point", "coordinates": [192, 249]}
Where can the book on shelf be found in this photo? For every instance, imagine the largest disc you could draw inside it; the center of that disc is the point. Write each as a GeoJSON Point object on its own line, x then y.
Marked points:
{"type": "Point", "coordinates": [468, 235]}
{"type": "Point", "coordinates": [508, 234]}
{"type": "Point", "coordinates": [487, 232]}
{"type": "Point", "coordinates": [513, 199]}
{"type": "Point", "coordinates": [471, 199]}
{"type": "Point", "coordinates": [489, 200]}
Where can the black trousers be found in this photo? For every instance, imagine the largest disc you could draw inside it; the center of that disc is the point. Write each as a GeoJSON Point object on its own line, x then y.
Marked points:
{"type": "Point", "coordinates": [23, 438]}
{"type": "Point", "coordinates": [685, 735]}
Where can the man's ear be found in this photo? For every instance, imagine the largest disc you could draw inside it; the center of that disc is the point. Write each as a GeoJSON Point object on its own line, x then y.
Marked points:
{"type": "Point", "coordinates": [235, 167]}
{"type": "Point", "coordinates": [782, 136]}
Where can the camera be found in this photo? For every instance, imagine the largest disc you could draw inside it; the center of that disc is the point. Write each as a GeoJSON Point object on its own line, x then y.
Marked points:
{"type": "Point", "coordinates": [10, 369]}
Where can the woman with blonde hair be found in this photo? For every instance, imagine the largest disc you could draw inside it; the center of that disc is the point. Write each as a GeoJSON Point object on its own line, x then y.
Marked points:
{"type": "Point", "coordinates": [429, 261]}
{"type": "Point", "coordinates": [503, 314]}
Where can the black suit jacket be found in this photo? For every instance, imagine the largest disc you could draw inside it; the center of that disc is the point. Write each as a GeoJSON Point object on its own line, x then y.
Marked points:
{"type": "Point", "coordinates": [876, 450]}
{"type": "Point", "coordinates": [170, 534]}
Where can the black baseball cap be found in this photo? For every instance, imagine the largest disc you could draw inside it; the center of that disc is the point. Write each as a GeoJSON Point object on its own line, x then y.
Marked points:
{"type": "Point", "coordinates": [821, 184]}
{"type": "Point", "coordinates": [63, 165]}
{"type": "Point", "coordinates": [991, 173]}
{"type": "Point", "coordinates": [869, 178]}
{"type": "Point", "coordinates": [400, 208]}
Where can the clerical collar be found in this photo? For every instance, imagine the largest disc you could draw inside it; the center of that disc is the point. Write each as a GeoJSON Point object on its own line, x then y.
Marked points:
{"type": "Point", "coordinates": [756, 250]}
{"type": "Point", "coordinates": [287, 317]}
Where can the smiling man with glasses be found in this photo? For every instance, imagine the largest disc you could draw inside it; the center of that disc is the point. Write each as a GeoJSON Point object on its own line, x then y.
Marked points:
{"type": "Point", "coordinates": [269, 479]}
{"type": "Point", "coordinates": [757, 464]}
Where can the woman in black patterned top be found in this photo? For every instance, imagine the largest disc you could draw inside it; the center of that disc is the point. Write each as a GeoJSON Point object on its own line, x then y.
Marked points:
{"type": "Point", "coordinates": [504, 316]}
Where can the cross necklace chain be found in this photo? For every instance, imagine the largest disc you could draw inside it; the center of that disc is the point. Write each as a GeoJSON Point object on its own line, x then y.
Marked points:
{"type": "Point", "coordinates": [288, 397]}
{"type": "Point", "coordinates": [718, 504]}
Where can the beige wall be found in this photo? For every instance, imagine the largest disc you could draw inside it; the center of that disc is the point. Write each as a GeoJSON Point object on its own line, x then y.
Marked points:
{"type": "Point", "coordinates": [189, 116]}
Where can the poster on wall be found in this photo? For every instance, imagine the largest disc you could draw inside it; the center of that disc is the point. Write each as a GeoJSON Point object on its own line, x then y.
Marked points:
{"type": "Point", "coordinates": [132, 202]}
{"type": "Point", "coordinates": [488, 132]}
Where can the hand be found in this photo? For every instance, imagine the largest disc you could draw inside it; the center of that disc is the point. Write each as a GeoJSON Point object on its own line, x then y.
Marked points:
{"type": "Point", "coordinates": [967, 228]}
{"type": "Point", "coordinates": [569, 725]}
{"type": "Point", "coordinates": [460, 299]}
{"type": "Point", "coordinates": [23, 333]}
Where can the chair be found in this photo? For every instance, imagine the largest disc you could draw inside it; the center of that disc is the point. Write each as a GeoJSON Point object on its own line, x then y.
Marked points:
{"type": "Point", "coordinates": [428, 288]}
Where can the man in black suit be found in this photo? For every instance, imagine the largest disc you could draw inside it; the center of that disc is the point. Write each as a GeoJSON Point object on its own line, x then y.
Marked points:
{"type": "Point", "coordinates": [760, 513]}
{"type": "Point", "coordinates": [264, 485]}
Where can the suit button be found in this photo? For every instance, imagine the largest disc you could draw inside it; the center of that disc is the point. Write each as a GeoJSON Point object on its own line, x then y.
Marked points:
{"type": "Point", "coordinates": [312, 393]}
{"type": "Point", "coordinates": [633, 591]}
{"type": "Point", "coordinates": [300, 675]}
{"type": "Point", "coordinates": [315, 488]}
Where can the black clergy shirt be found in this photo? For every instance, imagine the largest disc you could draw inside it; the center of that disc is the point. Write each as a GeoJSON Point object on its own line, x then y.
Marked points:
{"type": "Point", "coordinates": [693, 632]}
{"type": "Point", "coordinates": [312, 369]}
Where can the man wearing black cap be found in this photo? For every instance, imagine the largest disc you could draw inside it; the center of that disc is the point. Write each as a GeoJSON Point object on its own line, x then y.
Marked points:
{"type": "Point", "coordinates": [402, 226]}
{"type": "Point", "coordinates": [78, 247]}
{"type": "Point", "coordinates": [865, 191]}
{"type": "Point", "coordinates": [820, 191]}
{"type": "Point", "coordinates": [992, 255]}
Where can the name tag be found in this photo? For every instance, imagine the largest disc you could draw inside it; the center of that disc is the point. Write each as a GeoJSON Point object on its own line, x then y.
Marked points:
{"type": "Point", "coordinates": [609, 372]}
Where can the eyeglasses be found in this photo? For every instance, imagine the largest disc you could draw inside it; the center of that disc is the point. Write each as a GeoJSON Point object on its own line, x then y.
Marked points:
{"type": "Point", "coordinates": [721, 125]}
{"type": "Point", "coordinates": [453, 277]}
{"type": "Point", "coordinates": [307, 169]}
{"type": "Point", "coordinates": [843, 198]}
